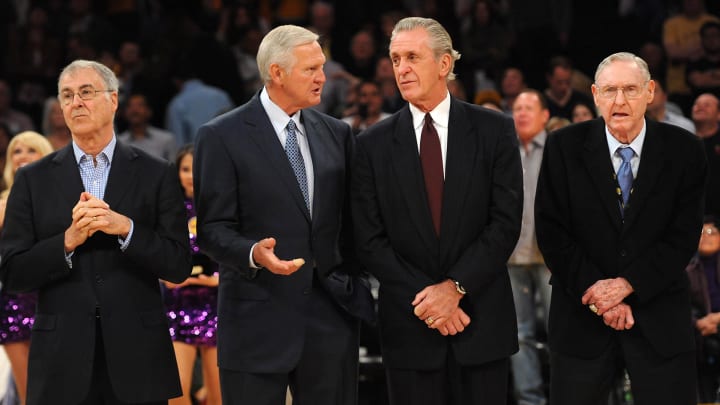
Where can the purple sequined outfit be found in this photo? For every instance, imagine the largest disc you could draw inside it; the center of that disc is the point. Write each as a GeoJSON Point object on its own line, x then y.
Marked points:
{"type": "Point", "coordinates": [192, 310]}
{"type": "Point", "coordinates": [16, 316]}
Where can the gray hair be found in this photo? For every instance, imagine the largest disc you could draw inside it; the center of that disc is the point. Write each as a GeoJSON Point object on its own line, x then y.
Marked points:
{"type": "Point", "coordinates": [278, 45]}
{"type": "Point", "coordinates": [624, 57]}
{"type": "Point", "coordinates": [106, 75]}
{"type": "Point", "coordinates": [440, 41]}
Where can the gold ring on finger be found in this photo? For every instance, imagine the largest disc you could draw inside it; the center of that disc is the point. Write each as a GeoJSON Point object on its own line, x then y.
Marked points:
{"type": "Point", "coordinates": [593, 308]}
{"type": "Point", "coordinates": [429, 320]}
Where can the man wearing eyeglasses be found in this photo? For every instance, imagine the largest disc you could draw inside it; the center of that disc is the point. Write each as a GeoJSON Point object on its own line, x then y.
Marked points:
{"type": "Point", "coordinates": [618, 212]}
{"type": "Point", "coordinates": [92, 227]}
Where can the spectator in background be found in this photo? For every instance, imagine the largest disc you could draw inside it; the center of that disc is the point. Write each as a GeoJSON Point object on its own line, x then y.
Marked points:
{"type": "Point", "coordinates": [485, 43]}
{"type": "Point", "coordinates": [561, 97]}
{"type": "Point", "coordinates": [16, 121]}
{"type": "Point", "coordinates": [529, 276]}
{"type": "Point", "coordinates": [653, 53]}
{"type": "Point", "coordinates": [704, 275]}
{"type": "Point", "coordinates": [658, 111]}
{"type": "Point", "coordinates": [141, 134]}
{"type": "Point", "coordinates": [368, 109]}
{"type": "Point", "coordinates": [706, 116]}
{"type": "Point", "coordinates": [385, 77]}
{"type": "Point", "coordinates": [17, 310]}
{"type": "Point", "coordinates": [511, 84]}
{"type": "Point", "coordinates": [583, 112]}
{"type": "Point", "coordinates": [195, 104]}
{"type": "Point", "coordinates": [488, 96]}
{"type": "Point", "coordinates": [363, 56]}
{"type": "Point", "coordinates": [555, 123]}
{"type": "Point", "coordinates": [703, 74]}
{"type": "Point", "coordinates": [53, 124]}
{"type": "Point", "coordinates": [681, 39]}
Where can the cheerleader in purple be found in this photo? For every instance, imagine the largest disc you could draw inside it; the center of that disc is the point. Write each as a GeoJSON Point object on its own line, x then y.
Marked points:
{"type": "Point", "coordinates": [192, 305]}
{"type": "Point", "coordinates": [17, 311]}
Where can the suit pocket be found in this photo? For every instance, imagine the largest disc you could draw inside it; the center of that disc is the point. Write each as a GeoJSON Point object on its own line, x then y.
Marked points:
{"type": "Point", "coordinates": [44, 322]}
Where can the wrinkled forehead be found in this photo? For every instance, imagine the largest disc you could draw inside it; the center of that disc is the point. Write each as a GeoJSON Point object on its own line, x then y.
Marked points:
{"type": "Point", "coordinates": [79, 78]}
{"type": "Point", "coordinates": [621, 73]}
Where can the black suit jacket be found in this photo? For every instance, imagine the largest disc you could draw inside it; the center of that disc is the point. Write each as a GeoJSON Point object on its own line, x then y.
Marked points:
{"type": "Point", "coordinates": [123, 285]}
{"type": "Point", "coordinates": [584, 239]}
{"type": "Point", "coordinates": [481, 214]}
{"type": "Point", "coordinates": [245, 191]}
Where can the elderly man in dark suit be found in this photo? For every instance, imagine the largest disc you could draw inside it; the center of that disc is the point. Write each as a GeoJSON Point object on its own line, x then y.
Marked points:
{"type": "Point", "coordinates": [92, 227]}
{"type": "Point", "coordinates": [271, 179]}
{"type": "Point", "coordinates": [437, 202]}
{"type": "Point", "coordinates": [619, 210]}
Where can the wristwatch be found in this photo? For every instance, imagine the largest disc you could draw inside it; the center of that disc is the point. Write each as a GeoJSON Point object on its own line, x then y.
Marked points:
{"type": "Point", "coordinates": [458, 287]}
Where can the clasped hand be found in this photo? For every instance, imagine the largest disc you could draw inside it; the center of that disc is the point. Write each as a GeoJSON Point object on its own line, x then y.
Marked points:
{"type": "Point", "coordinates": [91, 215]}
{"type": "Point", "coordinates": [607, 297]}
{"type": "Point", "coordinates": [438, 306]}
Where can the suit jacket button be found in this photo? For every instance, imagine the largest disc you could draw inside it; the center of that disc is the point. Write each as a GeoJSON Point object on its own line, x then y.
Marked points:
{"type": "Point", "coordinates": [98, 279]}
{"type": "Point", "coordinates": [623, 253]}
{"type": "Point", "coordinates": [307, 291]}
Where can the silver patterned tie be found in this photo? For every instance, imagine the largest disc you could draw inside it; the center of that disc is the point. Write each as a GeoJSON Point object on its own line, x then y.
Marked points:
{"type": "Point", "coordinates": [625, 176]}
{"type": "Point", "coordinates": [296, 160]}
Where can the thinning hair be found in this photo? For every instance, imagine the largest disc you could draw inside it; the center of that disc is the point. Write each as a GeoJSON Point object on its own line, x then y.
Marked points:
{"type": "Point", "coordinates": [278, 45]}
{"type": "Point", "coordinates": [30, 139]}
{"type": "Point", "coordinates": [439, 39]}
{"type": "Point", "coordinates": [624, 57]}
{"type": "Point", "coordinates": [106, 75]}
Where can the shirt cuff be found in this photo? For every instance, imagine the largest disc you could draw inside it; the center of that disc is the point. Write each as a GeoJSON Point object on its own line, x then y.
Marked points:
{"type": "Point", "coordinates": [124, 243]}
{"type": "Point", "coordinates": [68, 258]}
{"type": "Point", "coordinates": [250, 259]}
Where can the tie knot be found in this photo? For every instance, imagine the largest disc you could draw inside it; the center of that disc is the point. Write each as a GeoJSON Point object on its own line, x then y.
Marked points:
{"type": "Point", "coordinates": [428, 119]}
{"type": "Point", "coordinates": [626, 153]}
{"type": "Point", "coordinates": [291, 126]}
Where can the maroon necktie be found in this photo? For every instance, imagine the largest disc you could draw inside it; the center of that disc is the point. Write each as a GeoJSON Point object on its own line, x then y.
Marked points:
{"type": "Point", "coordinates": [432, 165]}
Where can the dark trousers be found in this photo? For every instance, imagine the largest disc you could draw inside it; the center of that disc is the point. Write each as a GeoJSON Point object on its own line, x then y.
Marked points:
{"type": "Point", "coordinates": [655, 380]}
{"type": "Point", "coordinates": [453, 384]}
{"type": "Point", "coordinates": [326, 373]}
{"type": "Point", "coordinates": [101, 390]}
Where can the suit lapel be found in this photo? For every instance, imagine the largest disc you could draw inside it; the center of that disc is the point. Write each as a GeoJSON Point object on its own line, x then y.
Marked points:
{"type": "Point", "coordinates": [66, 178]}
{"type": "Point", "coordinates": [409, 177]}
{"type": "Point", "coordinates": [122, 175]}
{"type": "Point", "coordinates": [597, 160]}
{"type": "Point", "coordinates": [461, 153]}
{"type": "Point", "coordinates": [263, 134]}
{"type": "Point", "coordinates": [652, 161]}
{"type": "Point", "coordinates": [316, 132]}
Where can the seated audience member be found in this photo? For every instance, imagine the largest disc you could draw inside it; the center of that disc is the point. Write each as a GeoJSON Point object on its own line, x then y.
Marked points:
{"type": "Point", "coordinates": [368, 109]}
{"type": "Point", "coordinates": [53, 124]}
{"type": "Point", "coordinates": [705, 115]}
{"type": "Point", "coordinates": [511, 84]}
{"type": "Point", "coordinates": [703, 74]}
{"type": "Point", "coordinates": [704, 274]}
{"type": "Point", "coordinates": [15, 120]}
{"type": "Point", "coordinates": [141, 134]}
{"type": "Point", "coordinates": [561, 96]}
{"type": "Point", "coordinates": [555, 123]}
{"type": "Point", "coordinates": [657, 110]}
{"type": "Point", "coordinates": [583, 112]}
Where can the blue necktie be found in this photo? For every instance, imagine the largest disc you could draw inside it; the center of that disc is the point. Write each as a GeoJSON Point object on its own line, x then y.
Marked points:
{"type": "Point", "coordinates": [625, 175]}
{"type": "Point", "coordinates": [296, 160]}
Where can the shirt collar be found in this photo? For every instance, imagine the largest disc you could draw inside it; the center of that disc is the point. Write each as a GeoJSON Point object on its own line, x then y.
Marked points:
{"type": "Point", "coordinates": [278, 118]}
{"type": "Point", "coordinates": [636, 144]}
{"type": "Point", "coordinates": [109, 150]}
{"type": "Point", "coordinates": [440, 114]}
